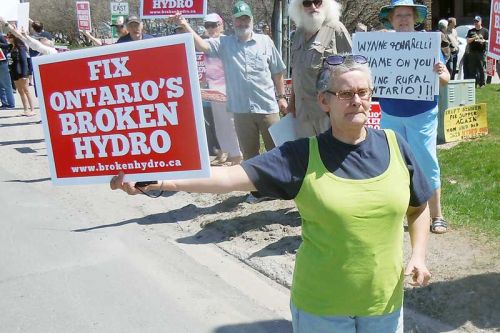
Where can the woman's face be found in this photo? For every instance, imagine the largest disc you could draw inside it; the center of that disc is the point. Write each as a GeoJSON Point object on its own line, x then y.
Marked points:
{"type": "Point", "coordinates": [347, 113]}
{"type": "Point", "coordinates": [403, 19]}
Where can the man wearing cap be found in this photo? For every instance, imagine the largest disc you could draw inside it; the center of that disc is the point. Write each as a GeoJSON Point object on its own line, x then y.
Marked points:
{"type": "Point", "coordinates": [253, 72]}
{"type": "Point", "coordinates": [319, 34]}
{"type": "Point", "coordinates": [119, 25]}
{"type": "Point", "coordinates": [477, 40]}
{"type": "Point", "coordinates": [134, 27]}
{"type": "Point", "coordinates": [416, 121]}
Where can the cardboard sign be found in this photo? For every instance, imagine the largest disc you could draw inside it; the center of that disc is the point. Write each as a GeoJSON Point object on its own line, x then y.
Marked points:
{"type": "Point", "coordinates": [2, 56]}
{"type": "Point", "coordinates": [23, 15]}
{"type": "Point", "coordinates": [9, 10]}
{"type": "Point", "coordinates": [288, 88]}
{"type": "Point", "coordinates": [402, 63]}
{"type": "Point", "coordinates": [83, 15]}
{"type": "Point", "coordinates": [284, 130]}
{"type": "Point", "coordinates": [123, 108]}
{"type": "Point", "coordinates": [465, 122]}
{"type": "Point", "coordinates": [119, 8]}
{"type": "Point", "coordinates": [490, 66]}
{"type": "Point", "coordinates": [202, 68]}
{"type": "Point", "coordinates": [494, 41]}
{"type": "Point", "coordinates": [375, 116]}
{"type": "Point", "coordinates": [151, 9]}
{"type": "Point", "coordinates": [213, 95]}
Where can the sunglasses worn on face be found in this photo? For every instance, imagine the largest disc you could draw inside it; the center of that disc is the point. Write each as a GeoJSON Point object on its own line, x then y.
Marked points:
{"type": "Point", "coordinates": [335, 60]}
{"type": "Point", "coordinates": [363, 93]}
{"type": "Point", "coordinates": [212, 25]}
{"type": "Point", "coordinates": [309, 3]}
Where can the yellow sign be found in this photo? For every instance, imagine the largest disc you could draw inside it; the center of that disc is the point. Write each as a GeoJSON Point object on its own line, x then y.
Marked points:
{"type": "Point", "coordinates": [465, 122]}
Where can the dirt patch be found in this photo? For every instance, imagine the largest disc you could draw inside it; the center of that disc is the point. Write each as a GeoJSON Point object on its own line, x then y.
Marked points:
{"type": "Point", "coordinates": [464, 294]}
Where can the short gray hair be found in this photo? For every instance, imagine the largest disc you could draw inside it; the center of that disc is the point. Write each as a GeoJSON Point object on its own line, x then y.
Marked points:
{"type": "Point", "coordinates": [328, 74]}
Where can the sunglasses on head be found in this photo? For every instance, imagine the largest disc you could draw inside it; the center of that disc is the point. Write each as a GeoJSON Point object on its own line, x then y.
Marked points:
{"type": "Point", "coordinates": [336, 59]}
{"type": "Point", "coordinates": [309, 3]}
{"type": "Point", "coordinates": [212, 25]}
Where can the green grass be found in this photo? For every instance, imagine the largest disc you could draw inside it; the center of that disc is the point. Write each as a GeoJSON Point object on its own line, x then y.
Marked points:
{"type": "Point", "coordinates": [470, 175]}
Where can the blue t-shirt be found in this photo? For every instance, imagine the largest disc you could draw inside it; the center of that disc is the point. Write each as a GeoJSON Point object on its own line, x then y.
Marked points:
{"type": "Point", "coordinates": [407, 107]}
{"type": "Point", "coordinates": [280, 172]}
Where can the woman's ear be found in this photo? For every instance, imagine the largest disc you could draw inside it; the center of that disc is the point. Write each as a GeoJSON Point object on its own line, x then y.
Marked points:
{"type": "Point", "coordinates": [324, 101]}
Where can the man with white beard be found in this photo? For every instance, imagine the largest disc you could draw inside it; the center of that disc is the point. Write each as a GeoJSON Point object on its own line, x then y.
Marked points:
{"type": "Point", "coordinates": [319, 34]}
{"type": "Point", "coordinates": [254, 71]}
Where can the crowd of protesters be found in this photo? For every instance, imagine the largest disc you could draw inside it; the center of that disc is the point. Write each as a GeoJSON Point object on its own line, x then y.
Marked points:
{"type": "Point", "coordinates": [353, 185]}
{"type": "Point", "coordinates": [19, 47]}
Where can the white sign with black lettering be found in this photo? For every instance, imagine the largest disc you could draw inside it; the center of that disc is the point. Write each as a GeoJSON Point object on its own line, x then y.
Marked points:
{"type": "Point", "coordinates": [402, 63]}
{"type": "Point", "coordinates": [119, 8]}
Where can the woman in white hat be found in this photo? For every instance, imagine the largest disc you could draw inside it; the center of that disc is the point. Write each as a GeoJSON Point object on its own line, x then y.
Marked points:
{"type": "Point", "coordinates": [416, 121]}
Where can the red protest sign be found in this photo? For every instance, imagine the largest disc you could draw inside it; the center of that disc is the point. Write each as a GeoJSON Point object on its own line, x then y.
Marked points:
{"type": "Point", "coordinates": [2, 56]}
{"type": "Point", "coordinates": [494, 41]}
{"type": "Point", "coordinates": [164, 8]}
{"type": "Point", "coordinates": [123, 108]}
{"type": "Point", "coordinates": [202, 68]}
{"type": "Point", "coordinates": [375, 116]}
{"type": "Point", "coordinates": [83, 15]}
{"type": "Point", "coordinates": [490, 66]}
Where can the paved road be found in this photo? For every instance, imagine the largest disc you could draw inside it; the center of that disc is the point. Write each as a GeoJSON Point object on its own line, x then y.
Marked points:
{"type": "Point", "coordinates": [60, 272]}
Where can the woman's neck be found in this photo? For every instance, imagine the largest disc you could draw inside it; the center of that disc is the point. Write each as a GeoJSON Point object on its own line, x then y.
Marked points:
{"type": "Point", "coordinates": [350, 136]}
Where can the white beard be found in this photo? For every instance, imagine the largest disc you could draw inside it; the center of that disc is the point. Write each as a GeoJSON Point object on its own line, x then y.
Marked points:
{"type": "Point", "coordinates": [312, 23]}
{"type": "Point", "coordinates": [243, 32]}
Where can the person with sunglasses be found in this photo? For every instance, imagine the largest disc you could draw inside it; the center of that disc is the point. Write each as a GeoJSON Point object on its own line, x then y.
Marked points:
{"type": "Point", "coordinates": [254, 74]}
{"type": "Point", "coordinates": [416, 121]}
{"type": "Point", "coordinates": [353, 186]}
{"type": "Point", "coordinates": [319, 34]}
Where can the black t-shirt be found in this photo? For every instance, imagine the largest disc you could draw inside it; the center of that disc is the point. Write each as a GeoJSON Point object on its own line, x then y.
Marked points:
{"type": "Point", "coordinates": [477, 46]}
{"type": "Point", "coordinates": [280, 172]}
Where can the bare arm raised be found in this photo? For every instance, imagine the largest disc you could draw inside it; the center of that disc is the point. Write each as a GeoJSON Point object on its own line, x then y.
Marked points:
{"type": "Point", "coordinates": [200, 44]}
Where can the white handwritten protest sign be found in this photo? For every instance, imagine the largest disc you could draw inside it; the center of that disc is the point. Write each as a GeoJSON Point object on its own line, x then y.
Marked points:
{"type": "Point", "coordinates": [8, 9]}
{"type": "Point", "coordinates": [123, 108]}
{"type": "Point", "coordinates": [401, 62]}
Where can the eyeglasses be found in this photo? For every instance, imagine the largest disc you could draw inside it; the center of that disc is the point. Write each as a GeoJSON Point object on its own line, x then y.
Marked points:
{"type": "Point", "coordinates": [211, 25]}
{"type": "Point", "coordinates": [336, 59]}
{"type": "Point", "coordinates": [363, 93]}
{"type": "Point", "coordinates": [309, 3]}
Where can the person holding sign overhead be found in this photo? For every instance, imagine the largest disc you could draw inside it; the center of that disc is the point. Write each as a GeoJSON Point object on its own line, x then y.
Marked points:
{"type": "Point", "coordinates": [416, 121]}
{"type": "Point", "coordinates": [254, 71]}
{"type": "Point", "coordinates": [353, 186]}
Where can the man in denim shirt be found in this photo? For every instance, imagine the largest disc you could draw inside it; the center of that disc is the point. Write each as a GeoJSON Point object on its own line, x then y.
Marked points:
{"type": "Point", "coordinates": [254, 78]}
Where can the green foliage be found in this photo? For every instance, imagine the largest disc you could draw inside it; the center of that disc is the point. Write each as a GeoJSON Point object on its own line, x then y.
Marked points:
{"type": "Point", "coordinates": [470, 174]}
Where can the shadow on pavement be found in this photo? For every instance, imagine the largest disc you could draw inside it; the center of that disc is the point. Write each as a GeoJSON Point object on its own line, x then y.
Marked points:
{"type": "Point", "coordinates": [39, 180]}
{"type": "Point", "coordinates": [270, 326]}
{"type": "Point", "coordinates": [185, 213]}
{"type": "Point", "coordinates": [225, 229]}
{"type": "Point", "coordinates": [287, 244]}
{"type": "Point", "coordinates": [474, 299]}
{"type": "Point", "coordinates": [21, 142]}
{"type": "Point", "coordinates": [34, 122]}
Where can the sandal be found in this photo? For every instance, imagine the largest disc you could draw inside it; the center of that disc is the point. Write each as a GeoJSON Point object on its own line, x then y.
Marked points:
{"type": "Point", "coordinates": [439, 222]}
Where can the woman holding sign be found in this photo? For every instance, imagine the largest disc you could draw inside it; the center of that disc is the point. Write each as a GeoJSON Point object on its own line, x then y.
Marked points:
{"type": "Point", "coordinates": [416, 121]}
{"type": "Point", "coordinates": [353, 187]}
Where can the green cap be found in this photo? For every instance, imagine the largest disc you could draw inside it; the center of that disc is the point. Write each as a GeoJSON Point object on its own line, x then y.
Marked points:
{"type": "Point", "coordinates": [241, 8]}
